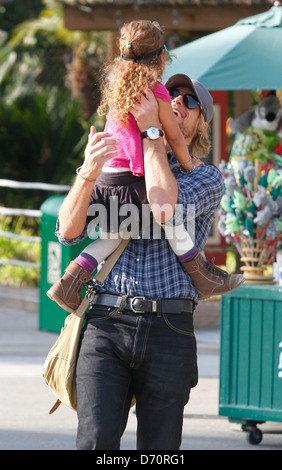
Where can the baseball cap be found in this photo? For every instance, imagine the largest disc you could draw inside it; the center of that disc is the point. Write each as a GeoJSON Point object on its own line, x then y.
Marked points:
{"type": "Point", "coordinates": [198, 90]}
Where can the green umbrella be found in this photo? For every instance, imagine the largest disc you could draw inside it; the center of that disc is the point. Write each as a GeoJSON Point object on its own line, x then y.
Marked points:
{"type": "Point", "coordinates": [245, 56]}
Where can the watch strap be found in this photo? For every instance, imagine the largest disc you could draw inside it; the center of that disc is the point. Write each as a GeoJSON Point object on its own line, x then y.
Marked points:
{"type": "Point", "coordinates": [145, 134]}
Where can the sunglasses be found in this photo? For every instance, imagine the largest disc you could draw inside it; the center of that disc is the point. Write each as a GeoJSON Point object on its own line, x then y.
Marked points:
{"type": "Point", "coordinates": [188, 100]}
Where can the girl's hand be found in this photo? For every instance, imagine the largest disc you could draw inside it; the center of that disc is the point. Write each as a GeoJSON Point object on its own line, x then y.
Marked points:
{"type": "Point", "coordinates": [146, 111]}
{"type": "Point", "coordinates": [100, 148]}
{"type": "Point", "coordinates": [196, 162]}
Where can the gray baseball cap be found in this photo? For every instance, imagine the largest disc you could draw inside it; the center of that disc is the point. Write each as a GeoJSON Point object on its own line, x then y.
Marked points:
{"type": "Point", "coordinates": [198, 90]}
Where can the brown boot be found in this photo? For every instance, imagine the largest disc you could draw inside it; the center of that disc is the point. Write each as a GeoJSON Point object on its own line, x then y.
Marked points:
{"type": "Point", "coordinates": [209, 279]}
{"type": "Point", "coordinates": [67, 290]}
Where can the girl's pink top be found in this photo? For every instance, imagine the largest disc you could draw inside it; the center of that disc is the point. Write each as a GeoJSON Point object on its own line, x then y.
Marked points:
{"type": "Point", "coordinates": [130, 145]}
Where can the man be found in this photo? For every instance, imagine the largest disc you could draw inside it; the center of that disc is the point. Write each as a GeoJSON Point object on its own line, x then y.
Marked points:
{"type": "Point", "coordinates": [147, 348]}
{"type": "Point", "coordinates": [193, 122]}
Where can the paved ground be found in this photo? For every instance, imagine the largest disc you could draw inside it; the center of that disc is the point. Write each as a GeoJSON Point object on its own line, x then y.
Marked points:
{"type": "Point", "coordinates": [25, 399]}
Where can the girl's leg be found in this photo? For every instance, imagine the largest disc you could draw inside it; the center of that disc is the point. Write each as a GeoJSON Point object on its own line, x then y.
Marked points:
{"type": "Point", "coordinates": [96, 252]}
{"type": "Point", "coordinates": [207, 278]}
{"type": "Point", "coordinates": [180, 242]}
{"type": "Point", "coordinates": [67, 290]}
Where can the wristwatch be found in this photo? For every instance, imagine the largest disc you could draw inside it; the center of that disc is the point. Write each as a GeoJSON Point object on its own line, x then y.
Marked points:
{"type": "Point", "coordinates": [152, 133]}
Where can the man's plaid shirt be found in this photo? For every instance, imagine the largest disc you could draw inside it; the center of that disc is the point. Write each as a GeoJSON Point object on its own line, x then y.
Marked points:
{"type": "Point", "coordinates": [150, 268]}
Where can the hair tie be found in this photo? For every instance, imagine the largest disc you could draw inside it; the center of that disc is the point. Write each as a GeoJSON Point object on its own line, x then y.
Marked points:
{"type": "Point", "coordinates": [144, 56]}
{"type": "Point", "coordinates": [131, 59]}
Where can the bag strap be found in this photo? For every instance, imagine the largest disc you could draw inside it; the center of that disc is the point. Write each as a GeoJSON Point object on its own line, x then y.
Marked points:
{"type": "Point", "coordinates": [102, 275]}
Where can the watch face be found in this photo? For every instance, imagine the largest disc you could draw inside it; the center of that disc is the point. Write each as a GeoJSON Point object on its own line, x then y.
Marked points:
{"type": "Point", "coordinates": [153, 133]}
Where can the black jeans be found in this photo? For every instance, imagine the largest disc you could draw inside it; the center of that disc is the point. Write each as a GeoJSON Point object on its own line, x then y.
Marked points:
{"type": "Point", "coordinates": [126, 354]}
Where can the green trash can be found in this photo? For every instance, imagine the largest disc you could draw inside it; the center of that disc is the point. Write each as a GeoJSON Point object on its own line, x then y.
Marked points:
{"type": "Point", "coordinates": [55, 257]}
{"type": "Point", "coordinates": [251, 357]}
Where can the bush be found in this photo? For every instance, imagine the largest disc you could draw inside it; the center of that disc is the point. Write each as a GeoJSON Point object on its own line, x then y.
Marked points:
{"type": "Point", "coordinates": [42, 139]}
{"type": "Point", "coordinates": [21, 250]}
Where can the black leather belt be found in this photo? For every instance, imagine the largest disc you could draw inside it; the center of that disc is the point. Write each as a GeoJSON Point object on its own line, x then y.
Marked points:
{"type": "Point", "coordinates": [141, 305]}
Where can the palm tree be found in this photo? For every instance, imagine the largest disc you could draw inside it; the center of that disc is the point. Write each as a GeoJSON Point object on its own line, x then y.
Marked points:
{"type": "Point", "coordinates": [37, 43]}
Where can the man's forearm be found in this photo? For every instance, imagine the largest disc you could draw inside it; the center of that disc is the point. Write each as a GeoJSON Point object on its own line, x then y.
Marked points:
{"type": "Point", "coordinates": [161, 185]}
{"type": "Point", "coordinates": [73, 211]}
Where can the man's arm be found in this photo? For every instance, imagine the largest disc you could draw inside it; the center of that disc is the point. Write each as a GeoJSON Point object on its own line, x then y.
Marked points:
{"type": "Point", "coordinates": [73, 211]}
{"type": "Point", "coordinates": [161, 185]}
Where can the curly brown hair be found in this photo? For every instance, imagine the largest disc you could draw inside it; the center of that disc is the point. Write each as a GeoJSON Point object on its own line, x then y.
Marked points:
{"type": "Point", "coordinates": [124, 81]}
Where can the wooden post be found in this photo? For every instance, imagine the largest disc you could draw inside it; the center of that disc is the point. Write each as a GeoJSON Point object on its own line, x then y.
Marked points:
{"type": "Point", "coordinates": [258, 164]}
{"type": "Point", "coordinates": [242, 102]}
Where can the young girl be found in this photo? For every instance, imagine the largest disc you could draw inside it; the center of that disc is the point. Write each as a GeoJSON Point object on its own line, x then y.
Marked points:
{"type": "Point", "coordinates": [139, 67]}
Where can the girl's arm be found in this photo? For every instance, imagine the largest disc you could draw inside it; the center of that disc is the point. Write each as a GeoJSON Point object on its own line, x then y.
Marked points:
{"type": "Point", "coordinates": [161, 185]}
{"type": "Point", "coordinates": [173, 135]}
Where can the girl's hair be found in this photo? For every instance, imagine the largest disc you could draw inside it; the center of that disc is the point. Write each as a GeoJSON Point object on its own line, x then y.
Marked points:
{"type": "Point", "coordinates": [201, 143]}
{"type": "Point", "coordinates": [125, 80]}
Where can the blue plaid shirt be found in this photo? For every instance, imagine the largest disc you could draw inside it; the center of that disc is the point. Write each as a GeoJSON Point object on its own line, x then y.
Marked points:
{"type": "Point", "coordinates": [149, 267]}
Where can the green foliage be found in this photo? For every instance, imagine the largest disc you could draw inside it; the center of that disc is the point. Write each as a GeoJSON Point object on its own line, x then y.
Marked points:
{"type": "Point", "coordinates": [44, 137]}
{"type": "Point", "coordinates": [43, 134]}
{"type": "Point", "coordinates": [15, 12]}
{"type": "Point", "coordinates": [43, 66]}
{"type": "Point", "coordinates": [37, 51]}
{"type": "Point", "coordinates": [21, 250]}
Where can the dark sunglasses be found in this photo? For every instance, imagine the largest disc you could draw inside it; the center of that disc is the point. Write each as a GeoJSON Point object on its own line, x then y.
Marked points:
{"type": "Point", "coordinates": [188, 100]}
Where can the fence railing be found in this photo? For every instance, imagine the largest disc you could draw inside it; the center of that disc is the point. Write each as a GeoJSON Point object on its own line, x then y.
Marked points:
{"type": "Point", "coordinates": [33, 213]}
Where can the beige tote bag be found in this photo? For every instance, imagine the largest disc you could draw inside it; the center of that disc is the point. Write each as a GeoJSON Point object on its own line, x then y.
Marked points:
{"type": "Point", "coordinates": [60, 364]}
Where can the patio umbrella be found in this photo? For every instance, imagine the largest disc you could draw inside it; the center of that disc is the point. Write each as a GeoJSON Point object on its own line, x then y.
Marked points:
{"type": "Point", "coordinates": [245, 56]}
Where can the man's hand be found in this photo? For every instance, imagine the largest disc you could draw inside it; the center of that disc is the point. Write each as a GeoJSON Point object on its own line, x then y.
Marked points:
{"type": "Point", "coordinates": [73, 211]}
{"type": "Point", "coordinates": [146, 111]}
{"type": "Point", "coordinates": [100, 148]}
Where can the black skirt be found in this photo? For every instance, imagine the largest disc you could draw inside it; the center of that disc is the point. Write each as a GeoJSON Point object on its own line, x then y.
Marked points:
{"type": "Point", "coordinates": [122, 199]}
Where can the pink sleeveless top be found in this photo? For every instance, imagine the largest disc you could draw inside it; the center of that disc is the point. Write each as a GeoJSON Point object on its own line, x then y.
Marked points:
{"type": "Point", "coordinates": [130, 144]}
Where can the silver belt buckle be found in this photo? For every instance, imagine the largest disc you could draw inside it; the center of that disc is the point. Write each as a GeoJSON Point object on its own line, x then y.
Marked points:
{"type": "Point", "coordinates": [137, 297]}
